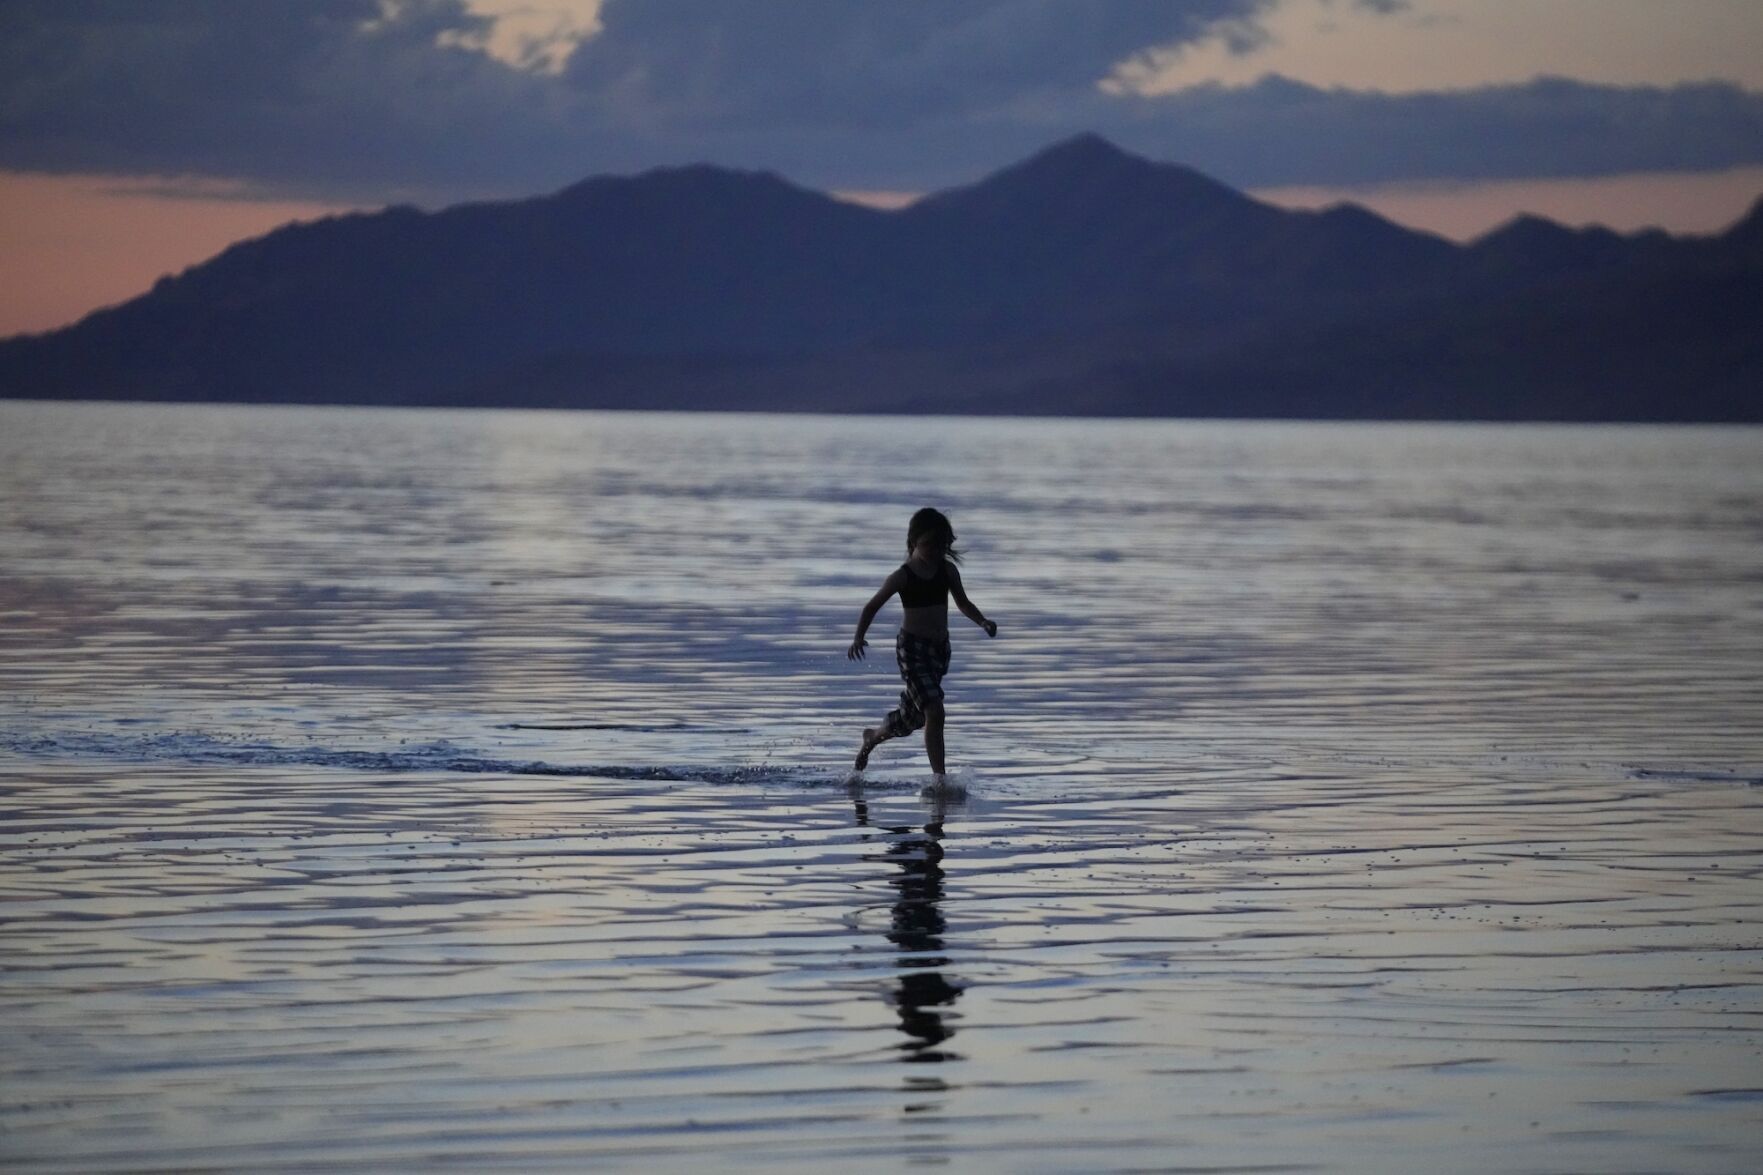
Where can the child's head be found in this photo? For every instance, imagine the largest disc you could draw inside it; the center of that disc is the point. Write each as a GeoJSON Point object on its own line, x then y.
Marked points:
{"type": "Point", "coordinates": [931, 527]}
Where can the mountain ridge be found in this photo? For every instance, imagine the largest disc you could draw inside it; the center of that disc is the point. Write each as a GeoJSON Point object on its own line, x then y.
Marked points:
{"type": "Point", "coordinates": [1081, 279]}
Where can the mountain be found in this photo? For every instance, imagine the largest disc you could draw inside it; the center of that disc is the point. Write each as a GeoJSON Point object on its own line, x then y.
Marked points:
{"type": "Point", "coordinates": [1081, 280]}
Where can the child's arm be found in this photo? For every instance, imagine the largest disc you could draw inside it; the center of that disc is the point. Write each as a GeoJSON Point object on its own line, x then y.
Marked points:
{"type": "Point", "coordinates": [889, 586]}
{"type": "Point", "coordinates": [966, 605]}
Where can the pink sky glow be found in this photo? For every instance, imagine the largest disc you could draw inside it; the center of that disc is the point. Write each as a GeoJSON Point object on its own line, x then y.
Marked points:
{"type": "Point", "coordinates": [71, 244]}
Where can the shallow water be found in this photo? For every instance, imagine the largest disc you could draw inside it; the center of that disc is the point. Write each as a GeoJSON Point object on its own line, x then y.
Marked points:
{"type": "Point", "coordinates": [392, 788]}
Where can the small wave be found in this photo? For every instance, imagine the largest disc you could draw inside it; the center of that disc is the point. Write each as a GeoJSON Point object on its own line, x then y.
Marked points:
{"type": "Point", "coordinates": [203, 748]}
{"type": "Point", "coordinates": [628, 726]}
{"type": "Point", "coordinates": [1669, 775]}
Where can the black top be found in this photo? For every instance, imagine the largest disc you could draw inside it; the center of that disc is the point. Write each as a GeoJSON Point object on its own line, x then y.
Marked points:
{"type": "Point", "coordinates": [918, 592]}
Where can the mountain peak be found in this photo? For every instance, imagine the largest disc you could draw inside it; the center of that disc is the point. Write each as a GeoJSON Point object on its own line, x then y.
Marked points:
{"type": "Point", "coordinates": [1522, 231]}
{"type": "Point", "coordinates": [1088, 148]}
{"type": "Point", "coordinates": [1080, 156]}
{"type": "Point", "coordinates": [1081, 174]}
{"type": "Point", "coordinates": [690, 177]}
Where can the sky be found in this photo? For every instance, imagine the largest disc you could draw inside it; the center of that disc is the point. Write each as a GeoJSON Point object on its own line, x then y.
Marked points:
{"type": "Point", "coordinates": [138, 137]}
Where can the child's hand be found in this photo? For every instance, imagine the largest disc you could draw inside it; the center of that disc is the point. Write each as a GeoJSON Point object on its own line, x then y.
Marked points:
{"type": "Point", "coordinates": [991, 629]}
{"type": "Point", "coordinates": [855, 652]}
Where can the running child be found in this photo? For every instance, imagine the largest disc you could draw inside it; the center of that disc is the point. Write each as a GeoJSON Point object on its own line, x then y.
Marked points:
{"type": "Point", "coordinates": [924, 582]}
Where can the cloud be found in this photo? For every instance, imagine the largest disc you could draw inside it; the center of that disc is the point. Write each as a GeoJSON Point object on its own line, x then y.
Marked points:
{"type": "Point", "coordinates": [445, 99]}
{"type": "Point", "coordinates": [334, 96]}
{"type": "Point", "coordinates": [717, 63]}
{"type": "Point", "coordinates": [1283, 132]}
{"type": "Point", "coordinates": [1431, 45]}
{"type": "Point", "coordinates": [535, 35]}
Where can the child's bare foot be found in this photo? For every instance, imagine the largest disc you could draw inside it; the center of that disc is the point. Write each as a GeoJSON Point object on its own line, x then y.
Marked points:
{"type": "Point", "coordinates": [869, 744]}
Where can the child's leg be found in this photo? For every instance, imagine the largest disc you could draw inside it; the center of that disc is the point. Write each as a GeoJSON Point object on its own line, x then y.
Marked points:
{"type": "Point", "coordinates": [933, 736]}
{"type": "Point", "coordinates": [873, 737]}
{"type": "Point", "coordinates": [903, 719]}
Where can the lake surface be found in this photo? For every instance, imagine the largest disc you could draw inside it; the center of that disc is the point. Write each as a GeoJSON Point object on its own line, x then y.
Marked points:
{"type": "Point", "coordinates": [385, 789]}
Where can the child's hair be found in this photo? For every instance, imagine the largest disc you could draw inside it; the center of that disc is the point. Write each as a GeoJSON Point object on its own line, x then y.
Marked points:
{"type": "Point", "coordinates": [935, 523]}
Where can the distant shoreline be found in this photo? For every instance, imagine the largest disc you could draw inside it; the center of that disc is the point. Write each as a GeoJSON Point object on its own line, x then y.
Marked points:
{"type": "Point", "coordinates": [890, 414]}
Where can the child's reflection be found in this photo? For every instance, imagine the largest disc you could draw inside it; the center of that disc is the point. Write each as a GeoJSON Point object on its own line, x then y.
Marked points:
{"type": "Point", "coordinates": [917, 929]}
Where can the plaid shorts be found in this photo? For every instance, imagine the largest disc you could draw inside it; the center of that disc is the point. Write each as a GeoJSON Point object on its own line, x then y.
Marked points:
{"type": "Point", "coordinates": [923, 663]}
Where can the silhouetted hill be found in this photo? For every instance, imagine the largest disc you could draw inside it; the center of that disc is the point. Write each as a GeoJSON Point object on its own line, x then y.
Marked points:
{"type": "Point", "coordinates": [1081, 280]}
{"type": "Point", "coordinates": [1746, 237]}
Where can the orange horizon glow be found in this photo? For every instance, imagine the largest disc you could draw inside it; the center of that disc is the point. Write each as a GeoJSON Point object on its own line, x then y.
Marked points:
{"type": "Point", "coordinates": [70, 245]}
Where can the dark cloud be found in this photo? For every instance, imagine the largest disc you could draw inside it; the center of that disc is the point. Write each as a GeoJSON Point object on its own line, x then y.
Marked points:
{"type": "Point", "coordinates": [308, 96]}
{"type": "Point", "coordinates": [1279, 131]}
{"type": "Point", "coordinates": [362, 100]}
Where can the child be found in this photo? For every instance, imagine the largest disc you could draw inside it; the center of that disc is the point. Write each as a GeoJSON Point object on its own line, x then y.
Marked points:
{"type": "Point", "coordinates": [925, 582]}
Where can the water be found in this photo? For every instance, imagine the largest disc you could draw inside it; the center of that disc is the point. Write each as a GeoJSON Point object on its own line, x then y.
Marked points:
{"type": "Point", "coordinates": [385, 788]}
